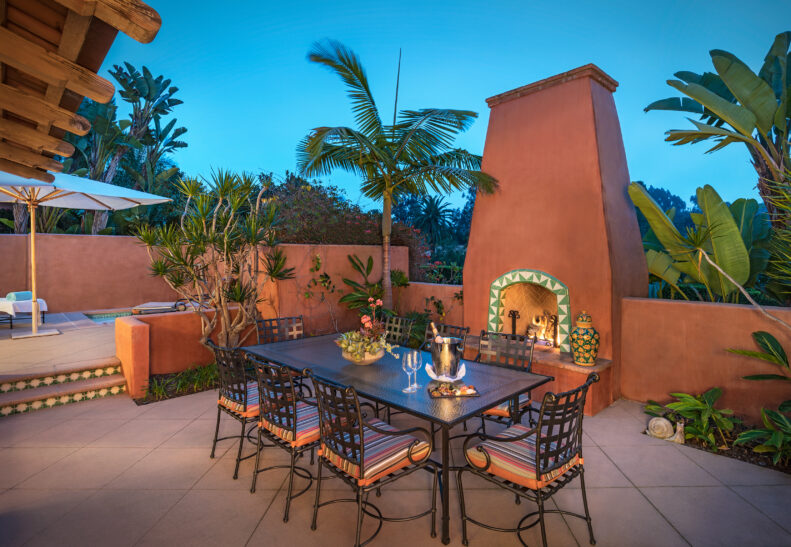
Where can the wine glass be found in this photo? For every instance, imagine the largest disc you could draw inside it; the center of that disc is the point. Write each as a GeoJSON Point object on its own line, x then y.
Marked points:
{"type": "Point", "coordinates": [406, 366]}
{"type": "Point", "coordinates": [417, 361]}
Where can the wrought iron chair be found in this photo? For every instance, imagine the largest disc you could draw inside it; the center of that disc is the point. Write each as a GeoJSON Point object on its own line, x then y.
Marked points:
{"type": "Point", "coordinates": [512, 351]}
{"type": "Point", "coordinates": [397, 330]}
{"type": "Point", "coordinates": [367, 455]}
{"type": "Point", "coordinates": [533, 463]}
{"type": "Point", "coordinates": [285, 420]}
{"type": "Point", "coordinates": [280, 329]}
{"type": "Point", "coordinates": [238, 396]}
{"type": "Point", "coordinates": [444, 329]}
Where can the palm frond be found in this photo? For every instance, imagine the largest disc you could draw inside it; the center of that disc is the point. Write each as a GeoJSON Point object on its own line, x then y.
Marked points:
{"type": "Point", "coordinates": [426, 132]}
{"type": "Point", "coordinates": [328, 148]}
{"type": "Point", "coordinates": [346, 64]}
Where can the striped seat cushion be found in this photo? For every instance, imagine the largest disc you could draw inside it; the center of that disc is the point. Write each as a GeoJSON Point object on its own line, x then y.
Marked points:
{"type": "Point", "coordinates": [307, 426]}
{"type": "Point", "coordinates": [384, 454]}
{"type": "Point", "coordinates": [502, 408]}
{"type": "Point", "coordinates": [515, 461]}
{"type": "Point", "coordinates": [238, 406]}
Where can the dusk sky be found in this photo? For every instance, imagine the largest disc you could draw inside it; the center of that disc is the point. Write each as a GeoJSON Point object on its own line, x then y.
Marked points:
{"type": "Point", "coordinates": [250, 94]}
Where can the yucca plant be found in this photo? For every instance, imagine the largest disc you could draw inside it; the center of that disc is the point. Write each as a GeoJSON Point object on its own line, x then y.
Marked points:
{"type": "Point", "coordinates": [736, 105]}
{"type": "Point", "coordinates": [215, 256]}
{"type": "Point", "coordinates": [413, 156]}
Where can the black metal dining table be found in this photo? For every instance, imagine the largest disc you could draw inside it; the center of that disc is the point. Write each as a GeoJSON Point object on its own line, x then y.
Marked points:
{"type": "Point", "coordinates": [383, 381]}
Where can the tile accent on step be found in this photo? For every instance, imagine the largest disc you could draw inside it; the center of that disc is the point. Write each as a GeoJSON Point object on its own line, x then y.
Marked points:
{"type": "Point", "coordinates": [59, 378]}
{"type": "Point", "coordinates": [50, 402]}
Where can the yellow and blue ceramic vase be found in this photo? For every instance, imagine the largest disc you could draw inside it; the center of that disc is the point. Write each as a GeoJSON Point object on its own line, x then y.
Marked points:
{"type": "Point", "coordinates": [584, 340]}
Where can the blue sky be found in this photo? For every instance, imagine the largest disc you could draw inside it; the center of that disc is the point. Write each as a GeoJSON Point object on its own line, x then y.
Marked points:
{"type": "Point", "coordinates": [250, 94]}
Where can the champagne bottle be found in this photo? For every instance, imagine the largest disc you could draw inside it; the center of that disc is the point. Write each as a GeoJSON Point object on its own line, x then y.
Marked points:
{"type": "Point", "coordinates": [437, 338]}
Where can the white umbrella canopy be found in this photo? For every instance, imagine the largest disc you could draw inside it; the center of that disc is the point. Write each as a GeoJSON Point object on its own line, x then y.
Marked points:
{"type": "Point", "coordinates": [66, 192]}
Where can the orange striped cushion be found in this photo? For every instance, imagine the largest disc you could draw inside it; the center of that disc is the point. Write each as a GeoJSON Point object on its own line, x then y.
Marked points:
{"type": "Point", "coordinates": [502, 408]}
{"type": "Point", "coordinates": [237, 406]}
{"type": "Point", "coordinates": [384, 454]}
{"type": "Point", "coordinates": [515, 461]}
{"type": "Point", "coordinates": [307, 426]}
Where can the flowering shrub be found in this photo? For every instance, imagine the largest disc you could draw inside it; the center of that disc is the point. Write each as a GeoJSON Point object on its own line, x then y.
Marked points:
{"type": "Point", "coordinates": [370, 337]}
{"type": "Point", "coordinates": [438, 272]}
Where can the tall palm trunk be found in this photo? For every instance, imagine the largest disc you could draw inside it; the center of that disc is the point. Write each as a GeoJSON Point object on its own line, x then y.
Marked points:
{"type": "Point", "coordinates": [387, 224]}
{"type": "Point", "coordinates": [21, 216]}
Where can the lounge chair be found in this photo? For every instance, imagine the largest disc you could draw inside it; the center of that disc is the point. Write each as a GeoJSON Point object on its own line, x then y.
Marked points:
{"type": "Point", "coordinates": [20, 302]}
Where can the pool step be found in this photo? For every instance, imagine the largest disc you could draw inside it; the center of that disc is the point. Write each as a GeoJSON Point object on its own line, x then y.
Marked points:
{"type": "Point", "coordinates": [98, 368]}
{"type": "Point", "coordinates": [28, 393]}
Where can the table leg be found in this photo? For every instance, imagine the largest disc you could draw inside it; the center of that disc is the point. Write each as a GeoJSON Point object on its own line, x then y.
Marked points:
{"type": "Point", "coordinates": [445, 492]}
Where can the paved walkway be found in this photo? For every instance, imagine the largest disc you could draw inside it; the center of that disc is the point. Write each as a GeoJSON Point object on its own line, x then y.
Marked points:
{"type": "Point", "coordinates": [81, 341]}
{"type": "Point", "coordinates": [108, 472]}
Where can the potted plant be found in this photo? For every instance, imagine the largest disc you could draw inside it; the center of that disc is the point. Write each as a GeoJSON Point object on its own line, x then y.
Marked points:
{"type": "Point", "coordinates": [367, 344]}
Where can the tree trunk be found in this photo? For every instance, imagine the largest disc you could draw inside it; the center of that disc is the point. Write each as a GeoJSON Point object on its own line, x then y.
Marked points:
{"type": "Point", "coordinates": [21, 216]}
{"type": "Point", "coordinates": [99, 221]}
{"type": "Point", "coordinates": [387, 224]}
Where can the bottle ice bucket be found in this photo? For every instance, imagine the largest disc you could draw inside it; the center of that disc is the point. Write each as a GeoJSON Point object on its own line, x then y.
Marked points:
{"type": "Point", "coordinates": [446, 357]}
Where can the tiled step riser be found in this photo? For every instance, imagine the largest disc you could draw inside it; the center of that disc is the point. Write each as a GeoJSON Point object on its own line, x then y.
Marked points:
{"type": "Point", "coordinates": [52, 379]}
{"type": "Point", "coordinates": [49, 402]}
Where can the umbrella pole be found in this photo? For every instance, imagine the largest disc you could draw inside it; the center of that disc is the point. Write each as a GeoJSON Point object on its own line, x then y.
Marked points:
{"type": "Point", "coordinates": [35, 315]}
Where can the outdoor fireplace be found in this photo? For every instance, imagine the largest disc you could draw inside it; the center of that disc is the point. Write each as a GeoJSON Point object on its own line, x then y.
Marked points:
{"type": "Point", "coordinates": [571, 230]}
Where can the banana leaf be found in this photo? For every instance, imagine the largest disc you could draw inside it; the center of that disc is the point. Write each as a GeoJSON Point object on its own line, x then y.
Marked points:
{"type": "Point", "coordinates": [661, 225]}
{"type": "Point", "coordinates": [752, 92]}
{"type": "Point", "coordinates": [729, 251]}
{"type": "Point", "coordinates": [739, 117]}
{"type": "Point", "coordinates": [662, 266]}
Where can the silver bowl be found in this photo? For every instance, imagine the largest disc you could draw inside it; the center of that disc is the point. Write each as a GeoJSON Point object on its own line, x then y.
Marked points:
{"type": "Point", "coordinates": [446, 357]}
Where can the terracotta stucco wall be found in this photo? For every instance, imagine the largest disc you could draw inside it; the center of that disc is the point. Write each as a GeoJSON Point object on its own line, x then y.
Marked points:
{"type": "Point", "coordinates": [290, 294]}
{"type": "Point", "coordinates": [413, 298]}
{"type": "Point", "coordinates": [555, 147]}
{"type": "Point", "coordinates": [82, 272]}
{"type": "Point", "coordinates": [672, 346]}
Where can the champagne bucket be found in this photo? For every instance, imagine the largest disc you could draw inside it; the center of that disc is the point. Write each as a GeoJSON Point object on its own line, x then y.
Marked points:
{"type": "Point", "coordinates": [446, 357]}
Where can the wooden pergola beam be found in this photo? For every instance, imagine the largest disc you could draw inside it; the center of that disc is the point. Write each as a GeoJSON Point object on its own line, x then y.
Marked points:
{"type": "Point", "coordinates": [27, 136]}
{"type": "Point", "coordinates": [25, 171]}
{"type": "Point", "coordinates": [52, 68]}
{"type": "Point", "coordinates": [26, 157]}
{"type": "Point", "coordinates": [132, 17]}
{"type": "Point", "coordinates": [40, 111]}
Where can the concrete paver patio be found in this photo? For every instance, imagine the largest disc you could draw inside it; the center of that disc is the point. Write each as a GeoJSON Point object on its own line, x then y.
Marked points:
{"type": "Point", "coordinates": [108, 472]}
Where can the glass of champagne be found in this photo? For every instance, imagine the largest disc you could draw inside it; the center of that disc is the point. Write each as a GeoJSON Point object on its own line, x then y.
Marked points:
{"type": "Point", "coordinates": [406, 366]}
{"type": "Point", "coordinates": [417, 361]}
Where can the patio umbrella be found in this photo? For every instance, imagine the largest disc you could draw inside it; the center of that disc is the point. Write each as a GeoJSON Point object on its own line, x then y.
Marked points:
{"type": "Point", "coordinates": [68, 192]}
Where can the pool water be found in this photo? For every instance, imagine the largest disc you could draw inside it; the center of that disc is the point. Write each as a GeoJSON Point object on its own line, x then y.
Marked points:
{"type": "Point", "coordinates": [107, 317]}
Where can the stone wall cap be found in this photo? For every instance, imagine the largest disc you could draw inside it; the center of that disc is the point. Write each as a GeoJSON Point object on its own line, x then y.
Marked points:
{"type": "Point", "coordinates": [587, 71]}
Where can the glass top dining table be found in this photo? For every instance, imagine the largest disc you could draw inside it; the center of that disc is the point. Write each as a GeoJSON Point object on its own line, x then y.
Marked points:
{"type": "Point", "coordinates": [383, 381]}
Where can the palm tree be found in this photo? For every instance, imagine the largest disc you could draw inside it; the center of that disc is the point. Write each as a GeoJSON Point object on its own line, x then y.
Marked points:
{"type": "Point", "coordinates": [434, 219]}
{"type": "Point", "coordinates": [737, 105]}
{"type": "Point", "coordinates": [414, 155]}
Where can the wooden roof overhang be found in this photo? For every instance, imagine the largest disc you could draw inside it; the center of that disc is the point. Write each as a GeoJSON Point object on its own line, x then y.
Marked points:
{"type": "Point", "coordinates": [50, 52]}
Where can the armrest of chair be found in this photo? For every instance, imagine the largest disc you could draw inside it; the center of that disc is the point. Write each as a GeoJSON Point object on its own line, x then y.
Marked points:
{"type": "Point", "coordinates": [409, 431]}
{"type": "Point", "coordinates": [494, 438]}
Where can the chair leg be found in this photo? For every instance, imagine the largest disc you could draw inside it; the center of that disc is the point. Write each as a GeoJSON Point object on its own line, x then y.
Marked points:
{"type": "Point", "coordinates": [290, 485]}
{"type": "Point", "coordinates": [540, 502]}
{"type": "Point", "coordinates": [465, 425]}
{"type": "Point", "coordinates": [239, 452]}
{"type": "Point", "coordinates": [257, 459]}
{"type": "Point", "coordinates": [318, 494]}
{"type": "Point", "coordinates": [359, 517]}
{"type": "Point", "coordinates": [460, 488]}
{"type": "Point", "coordinates": [585, 505]}
{"type": "Point", "coordinates": [434, 504]}
{"type": "Point", "coordinates": [216, 432]}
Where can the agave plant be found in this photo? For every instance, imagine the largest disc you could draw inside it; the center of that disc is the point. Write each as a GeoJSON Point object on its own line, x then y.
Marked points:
{"type": "Point", "coordinates": [724, 249]}
{"type": "Point", "coordinates": [737, 105]}
{"type": "Point", "coordinates": [213, 257]}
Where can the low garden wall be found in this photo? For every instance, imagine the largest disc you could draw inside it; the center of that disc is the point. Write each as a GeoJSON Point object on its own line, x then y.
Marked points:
{"type": "Point", "coordinates": [678, 346]}
{"type": "Point", "coordinates": [414, 298]}
{"type": "Point", "coordinates": [82, 272]}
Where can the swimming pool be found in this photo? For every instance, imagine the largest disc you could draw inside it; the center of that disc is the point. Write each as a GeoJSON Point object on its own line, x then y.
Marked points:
{"type": "Point", "coordinates": [108, 317]}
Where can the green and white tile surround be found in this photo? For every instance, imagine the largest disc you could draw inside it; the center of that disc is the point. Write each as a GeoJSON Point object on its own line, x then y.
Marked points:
{"type": "Point", "coordinates": [52, 379]}
{"type": "Point", "coordinates": [497, 311]}
{"type": "Point", "coordinates": [50, 402]}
